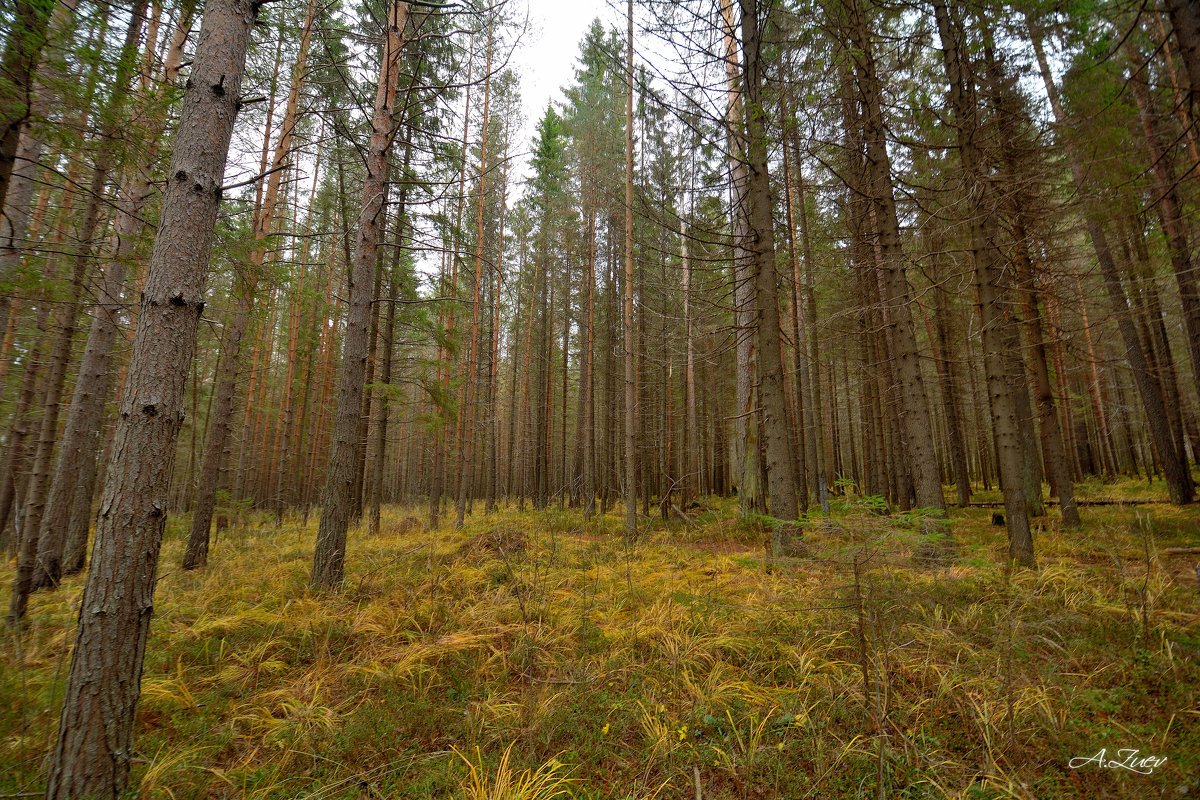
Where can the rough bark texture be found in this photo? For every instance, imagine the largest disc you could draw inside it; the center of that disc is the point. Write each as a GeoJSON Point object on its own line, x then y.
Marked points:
{"type": "Point", "coordinates": [996, 325]}
{"type": "Point", "coordinates": [338, 499]}
{"type": "Point", "coordinates": [631, 392]}
{"type": "Point", "coordinates": [94, 748]}
{"type": "Point", "coordinates": [781, 478]}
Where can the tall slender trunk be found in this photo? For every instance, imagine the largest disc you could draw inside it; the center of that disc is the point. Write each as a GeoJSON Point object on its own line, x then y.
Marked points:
{"type": "Point", "coordinates": [1185, 20]}
{"type": "Point", "coordinates": [91, 384]}
{"type": "Point", "coordinates": [631, 389]}
{"type": "Point", "coordinates": [1171, 215]}
{"type": "Point", "coordinates": [221, 420]}
{"type": "Point", "coordinates": [466, 453]}
{"type": "Point", "coordinates": [917, 427]}
{"type": "Point", "coordinates": [781, 481]}
{"type": "Point", "coordinates": [746, 443]}
{"type": "Point", "coordinates": [18, 65]}
{"type": "Point", "coordinates": [1002, 383]}
{"type": "Point", "coordinates": [329, 558]}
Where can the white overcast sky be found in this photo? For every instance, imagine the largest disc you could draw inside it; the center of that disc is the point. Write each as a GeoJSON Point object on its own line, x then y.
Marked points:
{"type": "Point", "coordinates": [545, 61]}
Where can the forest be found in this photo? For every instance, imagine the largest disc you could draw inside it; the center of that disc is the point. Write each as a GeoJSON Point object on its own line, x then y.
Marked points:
{"type": "Point", "coordinates": [802, 402]}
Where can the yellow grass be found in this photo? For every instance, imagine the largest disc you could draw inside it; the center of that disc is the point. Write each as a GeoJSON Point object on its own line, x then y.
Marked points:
{"type": "Point", "coordinates": [530, 656]}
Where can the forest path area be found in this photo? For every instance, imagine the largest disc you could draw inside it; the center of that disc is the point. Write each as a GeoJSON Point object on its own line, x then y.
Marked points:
{"type": "Point", "coordinates": [531, 646]}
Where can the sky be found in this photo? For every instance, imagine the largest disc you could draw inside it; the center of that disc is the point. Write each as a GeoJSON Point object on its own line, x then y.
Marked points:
{"type": "Point", "coordinates": [545, 60]}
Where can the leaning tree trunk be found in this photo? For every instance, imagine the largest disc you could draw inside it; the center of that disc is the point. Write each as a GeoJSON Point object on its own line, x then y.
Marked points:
{"type": "Point", "coordinates": [67, 315]}
{"type": "Point", "coordinates": [17, 200]}
{"type": "Point", "coordinates": [18, 65]}
{"type": "Point", "coordinates": [68, 509]}
{"type": "Point", "coordinates": [330, 556]}
{"type": "Point", "coordinates": [1171, 215]}
{"type": "Point", "coordinates": [95, 739]}
{"type": "Point", "coordinates": [221, 419]}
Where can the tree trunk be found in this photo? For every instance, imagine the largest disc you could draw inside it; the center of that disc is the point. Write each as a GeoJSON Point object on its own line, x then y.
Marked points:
{"type": "Point", "coordinates": [94, 749]}
{"type": "Point", "coordinates": [1001, 381]}
{"type": "Point", "coordinates": [1185, 20]}
{"type": "Point", "coordinates": [80, 437]}
{"type": "Point", "coordinates": [781, 480]}
{"type": "Point", "coordinates": [921, 458]}
{"type": "Point", "coordinates": [631, 388]}
{"type": "Point", "coordinates": [329, 558]}
{"type": "Point", "coordinates": [746, 444]}
{"type": "Point", "coordinates": [18, 65]}
{"type": "Point", "coordinates": [221, 420]}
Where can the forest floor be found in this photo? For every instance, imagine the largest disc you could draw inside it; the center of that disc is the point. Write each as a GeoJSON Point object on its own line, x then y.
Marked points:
{"type": "Point", "coordinates": [531, 654]}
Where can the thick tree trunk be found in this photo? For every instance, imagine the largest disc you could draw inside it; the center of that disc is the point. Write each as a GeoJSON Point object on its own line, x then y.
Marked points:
{"type": "Point", "coordinates": [1002, 381]}
{"type": "Point", "coordinates": [329, 558]}
{"type": "Point", "coordinates": [781, 480]}
{"type": "Point", "coordinates": [94, 749]}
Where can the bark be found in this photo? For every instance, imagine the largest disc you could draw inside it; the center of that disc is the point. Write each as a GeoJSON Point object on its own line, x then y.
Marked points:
{"type": "Point", "coordinates": [94, 748]}
{"type": "Point", "coordinates": [781, 480]}
{"type": "Point", "coordinates": [221, 420]}
{"type": "Point", "coordinates": [1002, 382]}
{"type": "Point", "coordinates": [329, 558]}
{"type": "Point", "coordinates": [631, 388]}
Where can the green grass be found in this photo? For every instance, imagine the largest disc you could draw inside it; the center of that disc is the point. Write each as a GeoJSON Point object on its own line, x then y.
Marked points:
{"type": "Point", "coordinates": [531, 654]}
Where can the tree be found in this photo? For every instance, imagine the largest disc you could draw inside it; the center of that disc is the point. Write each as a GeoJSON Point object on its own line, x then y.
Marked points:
{"type": "Point", "coordinates": [329, 558]}
{"type": "Point", "coordinates": [94, 748]}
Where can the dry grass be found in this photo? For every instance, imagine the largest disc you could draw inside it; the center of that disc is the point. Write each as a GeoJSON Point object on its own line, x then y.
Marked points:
{"type": "Point", "coordinates": [529, 656]}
